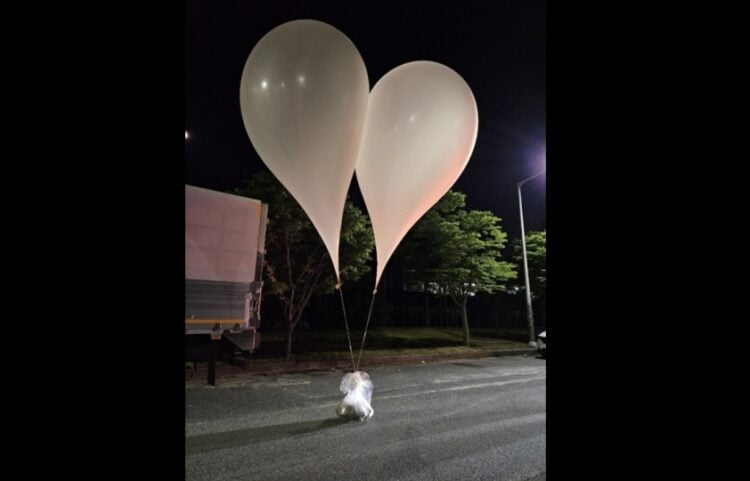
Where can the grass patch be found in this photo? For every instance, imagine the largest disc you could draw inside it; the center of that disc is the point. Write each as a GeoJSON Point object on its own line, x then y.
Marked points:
{"type": "Point", "coordinates": [386, 341]}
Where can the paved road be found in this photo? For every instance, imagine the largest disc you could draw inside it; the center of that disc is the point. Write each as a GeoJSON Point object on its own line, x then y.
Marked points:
{"type": "Point", "coordinates": [471, 420]}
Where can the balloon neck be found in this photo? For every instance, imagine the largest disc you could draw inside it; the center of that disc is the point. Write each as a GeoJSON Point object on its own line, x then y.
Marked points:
{"type": "Point", "coordinates": [374, 291]}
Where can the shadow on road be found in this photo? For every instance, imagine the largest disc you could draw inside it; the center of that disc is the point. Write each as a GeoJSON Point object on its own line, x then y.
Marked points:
{"type": "Point", "coordinates": [242, 437]}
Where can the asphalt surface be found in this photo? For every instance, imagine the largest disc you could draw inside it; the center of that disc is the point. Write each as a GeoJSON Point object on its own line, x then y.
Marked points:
{"type": "Point", "coordinates": [481, 419]}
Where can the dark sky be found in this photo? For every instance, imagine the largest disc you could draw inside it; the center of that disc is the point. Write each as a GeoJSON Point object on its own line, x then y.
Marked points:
{"type": "Point", "coordinates": [497, 47]}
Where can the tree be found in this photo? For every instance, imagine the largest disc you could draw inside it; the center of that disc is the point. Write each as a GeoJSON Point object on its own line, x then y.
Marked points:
{"type": "Point", "coordinates": [296, 264]}
{"type": "Point", "coordinates": [536, 254]}
{"type": "Point", "coordinates": [458, 252]}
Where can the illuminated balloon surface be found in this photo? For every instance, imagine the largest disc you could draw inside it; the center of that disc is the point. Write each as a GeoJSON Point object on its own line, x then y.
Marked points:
{"type": "Point", "coordinates": [420, 132]}
{"type": "Point", "coordinates": [303, 96]}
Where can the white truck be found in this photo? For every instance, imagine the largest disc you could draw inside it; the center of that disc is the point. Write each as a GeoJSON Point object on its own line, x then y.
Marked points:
{"type": "Point", "coordinates": [224, 247]}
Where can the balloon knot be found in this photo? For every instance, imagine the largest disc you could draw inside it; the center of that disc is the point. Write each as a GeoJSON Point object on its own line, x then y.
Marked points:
{"type": "Point", "coordinates": [338, 286]}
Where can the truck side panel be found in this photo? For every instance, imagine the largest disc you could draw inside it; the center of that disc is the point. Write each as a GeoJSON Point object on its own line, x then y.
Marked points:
{"type": "Point", "coordinates": [224, 246]}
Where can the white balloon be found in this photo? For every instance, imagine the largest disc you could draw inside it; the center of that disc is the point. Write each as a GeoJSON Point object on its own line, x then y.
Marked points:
{"type": "Point", "coordinates": [303, 96]}
{"type": "Point", "coordinates": [420, 132]}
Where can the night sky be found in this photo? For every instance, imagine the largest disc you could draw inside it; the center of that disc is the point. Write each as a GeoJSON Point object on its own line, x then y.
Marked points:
{"type": "Point", "coordinates": [498, 48]}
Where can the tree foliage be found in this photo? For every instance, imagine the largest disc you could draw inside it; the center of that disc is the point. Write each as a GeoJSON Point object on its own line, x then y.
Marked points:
{"type": "Point", "coordinates": [536, 254]}
{"type": "Point", "coordinates": [296, 264]}
{"type": "Point", "coordinates": [457, 252]}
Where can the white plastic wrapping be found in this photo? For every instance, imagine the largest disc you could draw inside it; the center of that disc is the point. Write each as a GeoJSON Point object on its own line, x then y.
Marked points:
{"type": "Point", "coordinates": [358, 389]}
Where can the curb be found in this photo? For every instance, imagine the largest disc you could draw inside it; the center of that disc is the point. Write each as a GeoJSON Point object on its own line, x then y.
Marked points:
{"type": "Point", "coordinates": [282, 367]}
{"type": "Point", "coordinates": [514, 352]}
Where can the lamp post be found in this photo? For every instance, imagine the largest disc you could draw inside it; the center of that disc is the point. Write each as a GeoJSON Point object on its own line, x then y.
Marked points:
{"type": "Point", "coordinates": [529, 310]}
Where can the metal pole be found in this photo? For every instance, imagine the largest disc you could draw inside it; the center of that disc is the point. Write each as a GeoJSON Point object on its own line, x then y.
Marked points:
{"type": "Point", "coordinates": [212, 363]}
{"type": "Point", "coordinates": [214, 353]}
{"type": "Point", "coordinates": [529, 309]}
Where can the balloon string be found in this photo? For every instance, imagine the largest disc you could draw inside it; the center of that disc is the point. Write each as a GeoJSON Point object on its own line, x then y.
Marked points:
{"type": "Point", "coordinates": [364, 335]}
{"type": "Point", "coordinates": [346, 323]}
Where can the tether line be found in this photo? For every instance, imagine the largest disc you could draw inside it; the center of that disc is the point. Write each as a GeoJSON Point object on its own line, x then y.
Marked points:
{"type": "Point", "coordinates": [364, 335]}
{"type": "Point", "coordinates": [346, 323]}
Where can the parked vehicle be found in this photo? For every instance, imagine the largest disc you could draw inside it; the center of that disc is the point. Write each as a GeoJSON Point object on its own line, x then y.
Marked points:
{"type": "Point", "coordinates": [541, 343]}
{"type": "Point", "coordinates": [224, 246]}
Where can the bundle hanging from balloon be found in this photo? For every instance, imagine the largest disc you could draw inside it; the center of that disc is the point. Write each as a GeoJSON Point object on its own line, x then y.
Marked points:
{"type": "Point", "coordinates": [358, 389]}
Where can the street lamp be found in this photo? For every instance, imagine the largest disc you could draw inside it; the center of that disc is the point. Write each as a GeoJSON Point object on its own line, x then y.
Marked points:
{"type": "Point", "coordinates": [529, 310]}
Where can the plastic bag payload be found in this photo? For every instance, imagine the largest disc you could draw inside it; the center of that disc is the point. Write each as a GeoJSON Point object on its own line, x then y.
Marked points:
{"type": "Point", "coordinates": [358, 389]}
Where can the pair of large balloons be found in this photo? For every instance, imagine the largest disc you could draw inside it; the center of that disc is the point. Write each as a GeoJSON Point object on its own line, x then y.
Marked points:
{"type": "Point", "coordinates": [307, 108]}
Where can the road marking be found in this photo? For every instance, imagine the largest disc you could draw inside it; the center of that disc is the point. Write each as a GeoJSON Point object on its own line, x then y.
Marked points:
{"type": "Point", "coordinates": [516, 372]}
{"type": "Point", "coordinates": [461, 388]}
{"type": "Point", "coordinates": [291, 381]}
